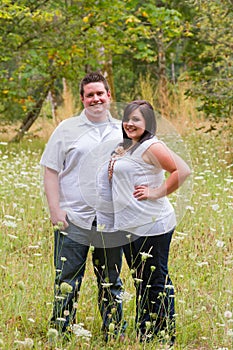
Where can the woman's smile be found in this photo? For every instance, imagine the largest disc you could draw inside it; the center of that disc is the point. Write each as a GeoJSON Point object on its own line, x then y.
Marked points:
{"type": "Point", "coordinates": [135, 126]}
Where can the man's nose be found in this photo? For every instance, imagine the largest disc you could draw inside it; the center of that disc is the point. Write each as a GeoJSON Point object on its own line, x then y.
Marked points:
{"type": "Point", "coordinates": [96, 97]}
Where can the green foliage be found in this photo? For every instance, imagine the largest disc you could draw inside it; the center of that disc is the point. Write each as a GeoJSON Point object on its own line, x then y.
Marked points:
{"type": "Point", "coordinates": [43, 41]}
{"type": "Point", "coordinates": [211, 66]}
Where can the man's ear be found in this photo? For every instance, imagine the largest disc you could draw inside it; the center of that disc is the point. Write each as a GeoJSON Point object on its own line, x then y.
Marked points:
{"type": "Point", "coordinates": [81, 98]}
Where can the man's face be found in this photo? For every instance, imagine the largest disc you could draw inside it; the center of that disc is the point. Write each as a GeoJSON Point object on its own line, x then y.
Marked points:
{"type": "Point", "coordinates": [96, 101]}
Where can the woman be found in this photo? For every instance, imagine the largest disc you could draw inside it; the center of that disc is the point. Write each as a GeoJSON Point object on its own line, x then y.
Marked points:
{"type": "Point", "coordinates": [139, 193]}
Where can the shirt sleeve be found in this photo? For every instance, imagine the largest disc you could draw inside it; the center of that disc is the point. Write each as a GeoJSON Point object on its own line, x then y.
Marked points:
{"type": "Point", "coordinates": [54, 154]}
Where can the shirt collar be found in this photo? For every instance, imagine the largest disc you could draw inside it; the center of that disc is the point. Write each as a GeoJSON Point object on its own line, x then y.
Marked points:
{"type": "Point", "coordinates": [84, 120]}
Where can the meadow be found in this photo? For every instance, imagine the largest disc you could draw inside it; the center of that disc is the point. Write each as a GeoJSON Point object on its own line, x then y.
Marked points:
{"type": "Point", "coordinates": [201, 260]}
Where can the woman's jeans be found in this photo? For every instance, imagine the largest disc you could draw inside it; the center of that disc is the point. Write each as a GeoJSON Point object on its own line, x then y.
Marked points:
{"type": "Point", "coordinates": [70, 257]}
{"type": "Point", "coordinates": [147, 257]}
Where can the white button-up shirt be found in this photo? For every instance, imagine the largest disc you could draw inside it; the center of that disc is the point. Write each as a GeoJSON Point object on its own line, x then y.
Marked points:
{"type": "Point", "coordinates": [76, 150]}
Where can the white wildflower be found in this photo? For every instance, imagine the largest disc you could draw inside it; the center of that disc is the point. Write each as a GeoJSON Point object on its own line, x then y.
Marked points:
{"type": "Point", "coordinates": [9, 223]}
{"type": "Point", "coordinates": [124, 296]}
{"type": "Point", "coordinates": [169, 286]}
{"type": "Point", "coordinates": [64, 233]}
{"type": "Point", "coordinates": [31, 320]}
{"type": "Point", "coordinates": [27, 343]}
{"type": "Point", "coordinates": [79, 331]}
{"type": "Point", "coordinates": [188, 207]}
{"type": "Point", "coordinates": [138, 280]}
{"type": "Point", "coordinates": [203, 263]}
{"type": "Point", "coordinates": [106, 285]}
{"type": "Point", "coordinates": [228, 314]}
{"type": "Point", "coordinates": [220, 244]}
{"type": "Point", "coordinates": [215, 207]}
{"type": "Point", "coordinates": [145, 256]}
{"type": "Point", "coordinates": [9, 217]}
{"type": "Point", "coordinates": [52, 335]}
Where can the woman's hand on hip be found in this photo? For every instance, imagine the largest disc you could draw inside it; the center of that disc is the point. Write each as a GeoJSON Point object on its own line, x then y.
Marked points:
{"type": "Point", "coordinates": [143, 192]}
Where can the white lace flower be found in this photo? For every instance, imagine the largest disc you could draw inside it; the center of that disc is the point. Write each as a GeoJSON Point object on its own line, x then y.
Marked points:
{"type": "Point", "coordinates": [145, 256]}
{"type": "Point", "coordinates": [79, 331]}
{"type": "Point", "coordinates": [106, 285]}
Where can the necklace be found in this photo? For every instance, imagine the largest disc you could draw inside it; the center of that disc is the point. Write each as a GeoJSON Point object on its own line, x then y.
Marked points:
{"type": "Point", "coordinates": [111, 168]}
{"type": "Point", "coordinates": [119, 152]}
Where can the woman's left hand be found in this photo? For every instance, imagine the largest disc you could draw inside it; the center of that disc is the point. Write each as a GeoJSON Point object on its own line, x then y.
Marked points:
{"type": "Point", "coordinates": [144, 192]}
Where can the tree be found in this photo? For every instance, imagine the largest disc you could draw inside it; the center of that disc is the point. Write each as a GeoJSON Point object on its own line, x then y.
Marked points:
{"type": "Point", "coordinates": [43, 42]}
{"type": "Point", "coordinates": [211, 57]}
{"type": "Point", "coordinates": [152, 30]}
{"type": "Point", "coordinates": [46, 41]}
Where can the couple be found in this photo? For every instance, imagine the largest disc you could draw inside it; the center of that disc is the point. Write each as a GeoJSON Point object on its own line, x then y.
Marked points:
{"type": "Point", "coordinates": [125, 210]}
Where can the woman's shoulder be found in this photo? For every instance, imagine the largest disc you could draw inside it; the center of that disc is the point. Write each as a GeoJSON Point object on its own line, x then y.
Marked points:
{"type": "Point", "coordinates": [147, 143]}
{"type": "Point", "coordinates": [144, 146]}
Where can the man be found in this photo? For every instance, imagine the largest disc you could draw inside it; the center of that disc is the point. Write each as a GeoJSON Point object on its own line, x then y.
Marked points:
{"type": "Point", "coordinates": [75, 151]}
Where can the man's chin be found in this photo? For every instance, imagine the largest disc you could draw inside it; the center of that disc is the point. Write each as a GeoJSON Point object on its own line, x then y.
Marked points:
{"type": "Point", "coordinates": [96, 111]}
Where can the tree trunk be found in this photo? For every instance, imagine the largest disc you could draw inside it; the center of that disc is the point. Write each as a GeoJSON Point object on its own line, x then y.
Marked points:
{"type": "Point", "coordinates": [53, 102]}
{"type": "Point", "coordinates": [108, 72]}
{"type": "Point", "coordinates": [32, 114]}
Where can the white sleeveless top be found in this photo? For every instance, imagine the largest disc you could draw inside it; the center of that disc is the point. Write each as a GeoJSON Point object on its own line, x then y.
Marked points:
{"type": "Point", "coordinates": [145, 217]}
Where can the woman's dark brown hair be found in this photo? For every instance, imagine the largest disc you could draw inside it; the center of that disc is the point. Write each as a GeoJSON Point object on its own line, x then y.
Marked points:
{"type": "Point", "coordinates": [148, 114]}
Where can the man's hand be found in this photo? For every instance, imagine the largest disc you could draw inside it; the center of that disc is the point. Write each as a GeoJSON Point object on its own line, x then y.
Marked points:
{"type": "Point", "coordinates": [58, 219]}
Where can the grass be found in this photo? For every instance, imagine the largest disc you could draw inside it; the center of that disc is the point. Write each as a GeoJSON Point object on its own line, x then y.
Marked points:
{"type": "Point", "coordinates": [201, 258]}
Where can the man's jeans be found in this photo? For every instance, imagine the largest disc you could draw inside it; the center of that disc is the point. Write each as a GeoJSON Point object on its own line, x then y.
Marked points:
{"type": "Point", "coordinates": [147, 257]}
{"type": "Point", "coordinates": [70, 257]}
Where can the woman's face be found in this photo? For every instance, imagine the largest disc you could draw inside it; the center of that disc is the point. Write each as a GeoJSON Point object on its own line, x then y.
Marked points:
{"type": "Point", "coordinates": [135, 126]}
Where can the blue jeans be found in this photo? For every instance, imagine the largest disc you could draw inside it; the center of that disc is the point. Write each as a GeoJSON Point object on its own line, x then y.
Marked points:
{"type": "Point", "coordinates": [155, 307]}
{"type": "Point", "coordinates": [70, 261]}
